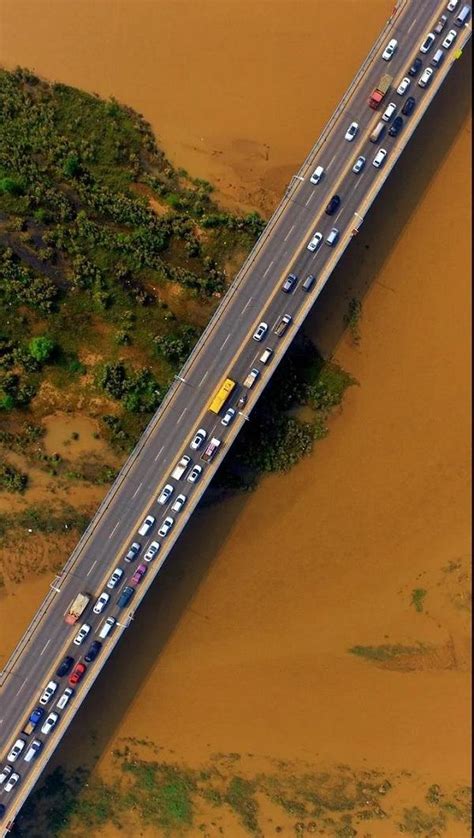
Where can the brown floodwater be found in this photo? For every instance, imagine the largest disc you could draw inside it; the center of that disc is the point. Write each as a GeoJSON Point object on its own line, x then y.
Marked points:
{"type": "Point", "coordinates": [244, 645]}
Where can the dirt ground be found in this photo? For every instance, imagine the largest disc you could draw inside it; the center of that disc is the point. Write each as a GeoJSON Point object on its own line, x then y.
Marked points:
{"type": "Point", "coordinates": [365, 546]}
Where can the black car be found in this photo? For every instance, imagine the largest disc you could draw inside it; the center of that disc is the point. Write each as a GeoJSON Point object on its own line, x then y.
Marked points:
{"type": "Point", "coordinates": [333, 205]}
{"type": "Point", "coordinates": [125, 596]}
{"type": "Point", "coordinates": [289, 283]}
{"type": "Point", "coordinates": [65, 667]}
{"type": "Point", "coordinates": [3, 809]}
{"type": "Point", "coordinates": [409, 106]}
{"type": "Point", "coordinates": [396, 126]}
{"type": "Point", "coordinates": [415, 67]}
{"type": "Point", "coordinates": [93, 651]}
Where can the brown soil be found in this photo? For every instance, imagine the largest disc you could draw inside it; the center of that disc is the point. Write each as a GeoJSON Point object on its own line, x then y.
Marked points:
{"type": "Point", "coordinates": [244, 644]}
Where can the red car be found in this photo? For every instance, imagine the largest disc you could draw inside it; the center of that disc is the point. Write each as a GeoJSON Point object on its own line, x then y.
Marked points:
{"type": "Point", "coordinates": [77, 673]}
{"type": "Point", "coordinates": [139, 574]}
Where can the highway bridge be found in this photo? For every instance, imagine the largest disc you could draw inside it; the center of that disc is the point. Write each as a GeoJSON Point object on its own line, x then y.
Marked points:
{"type": "Point", "coordinates": [226, 349]}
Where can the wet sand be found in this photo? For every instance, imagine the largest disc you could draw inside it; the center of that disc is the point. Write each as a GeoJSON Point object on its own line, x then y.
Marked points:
{"type": "Point", "coordinates": [243, 647]}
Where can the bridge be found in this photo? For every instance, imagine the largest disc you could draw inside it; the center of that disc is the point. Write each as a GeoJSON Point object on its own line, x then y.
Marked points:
{"type": "Point", "coordinates": [225, 349]}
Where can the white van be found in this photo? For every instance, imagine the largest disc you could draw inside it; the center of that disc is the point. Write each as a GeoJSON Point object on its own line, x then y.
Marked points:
{"type": "Point", "coordinates": [265, 356]}
{"type": "Point", "coordinates": [463, 16]}
{"type": "Point", "coordinates": [437, 57]}
{"type": "Point", "coordinates": [333, 236]}
{"type": "Point", "coordinates": [33, 750]}
{"type": "Point", "coordinates": [107, 627]}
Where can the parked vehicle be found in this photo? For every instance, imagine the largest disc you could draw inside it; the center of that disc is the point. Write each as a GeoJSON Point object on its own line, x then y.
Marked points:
{"type": "Point", "coordinates": [50, 722]}
{"type": "Point", "coordinates": [77, 608]}
{"type": "Point", "coordinates": [147, 525]}
{"type": "Point", "coordinates": [152, 551]}
{"type": "Point", "coordinates": [181, 467]}
{"type": "Point", "coordinates": [208, 454]}
{"type": "Point", "coordinates": [115, 578]}
{"type": "Point", "coordinates": [198, 440]}
{"type": "Point", "coordinates": [380, 91]}
{"type": "Point", "coordinates": [48, 692]}
{"type": "Point", "coordinates": [65, 697]}
{"type": "Point", "coordinates": [65, 666]}
{"type": "Point", "coordinates": [33, 721]}
{"type": "Point", "coordinates": [125, 596]}
{"type": "Point", "coordinates": [77, 673]}
{"type": "Point", "coordinates": [93, 651]}
{"type": "Point", "coordinates": [165, 494]}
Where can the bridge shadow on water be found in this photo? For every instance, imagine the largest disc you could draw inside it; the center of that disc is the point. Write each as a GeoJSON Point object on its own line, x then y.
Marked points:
{"type": "Point", "coordinates": [185, 570]}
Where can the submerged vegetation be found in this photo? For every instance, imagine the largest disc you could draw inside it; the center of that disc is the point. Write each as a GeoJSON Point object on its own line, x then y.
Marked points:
{"type": "Point", "coordinates": [175, 800]}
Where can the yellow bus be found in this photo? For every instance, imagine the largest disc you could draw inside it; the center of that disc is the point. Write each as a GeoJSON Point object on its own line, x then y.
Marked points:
{"type": "Point", "coordinates": [221, 395]}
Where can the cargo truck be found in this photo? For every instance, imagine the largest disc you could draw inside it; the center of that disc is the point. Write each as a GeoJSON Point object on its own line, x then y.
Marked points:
{"type": "Point", "coordinates": [252, 377]}
{"type": "Point", "coordinates": [380, 91]}
{"type": "Point", "coordinates": [34, 719]}
{"type": "Point", "coordinates": [210, 450]}
{"type": "Point", "coordinates": [76, 608]}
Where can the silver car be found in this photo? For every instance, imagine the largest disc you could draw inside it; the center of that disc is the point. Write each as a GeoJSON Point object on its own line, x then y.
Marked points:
{"type": "Point", "coordinates": [49, 723]}
{"type": "Point", "coordinates": [82, 634]}
{"type": "Point", "coordinates": [115, 578]}
{"type": "Point", "coordinates": [14, 779]}
{"type": "Point", "coordinates": [16, 750]}
{"type": "Point", "coordinates": [228, 417]}
{"type": "Point", "coordinates": [359, 164]}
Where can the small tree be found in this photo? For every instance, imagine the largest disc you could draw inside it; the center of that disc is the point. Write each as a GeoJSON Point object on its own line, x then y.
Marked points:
{"type": "Point", "coordinates": [41, 348]}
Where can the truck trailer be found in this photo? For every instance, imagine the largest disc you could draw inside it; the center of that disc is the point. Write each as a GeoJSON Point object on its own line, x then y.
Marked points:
{"type": "Point", "coordinates": [77, 608]}
{"type": "Point", "coordinates": [380, 91]}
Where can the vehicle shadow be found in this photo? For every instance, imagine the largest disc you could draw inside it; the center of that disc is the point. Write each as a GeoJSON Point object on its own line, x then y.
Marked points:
{"type": "Point", "coordinates": [187, 566]}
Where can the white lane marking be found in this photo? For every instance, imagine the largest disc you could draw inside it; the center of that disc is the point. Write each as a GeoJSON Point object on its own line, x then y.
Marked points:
{"type": "Point", "coordinates": [267, 269]}
{"type": "Point", "coordinates": [137, 489]}
{"type": "Point", "coordinates": [289, 233]}
{"type": "Point", "coordinates": [411, 26]}
{"type": "Point", "coordinates": [337, 216]}
{"type": "Point", "coordinates": [309, 199]}
{"type": "Point", "coordinates": [45, 646]}
{"type": "Point", "coordinates": [91, 567]}
{"type": "Point", "coordinates": [159, 452]}
{"type": "Point", "coordinates": [331, 162]}
{"type": "Point", "coordinates": [357, 183]}
{"type": "Point", "coordinates": [116, 525]}
{"type": "Point", "coordinates": [204, 377]}
{"type": "Point", "coordinates": [246, 305]}
{"type": "Point", "coordinates": [181, 416]}
{"type": "Point", "coordinates": [23, 684]}
{"type": "Point", "coordinates": [227, 338]}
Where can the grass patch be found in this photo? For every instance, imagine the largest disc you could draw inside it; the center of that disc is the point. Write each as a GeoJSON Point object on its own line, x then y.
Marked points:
{"type": "Point", "coordinates": [417, 598]}
{"type": "Point", "coordinates": [386, 652]}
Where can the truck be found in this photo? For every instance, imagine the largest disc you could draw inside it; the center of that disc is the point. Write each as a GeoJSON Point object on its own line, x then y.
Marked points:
{"type": "Point", "coordinates": [34, 719]}
{"type": "Point", "coordinates": [282, 324]}
{"type": "Point", "coordinates": [76, 608]}
{"type": "Point", "coordinates": [252, 377]}
{"type": "Point", "coordinates": [380, 91]}
{"type": "Point", "coordinates": [210, 450]}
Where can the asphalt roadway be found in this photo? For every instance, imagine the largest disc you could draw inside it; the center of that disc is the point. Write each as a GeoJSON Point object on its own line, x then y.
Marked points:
{"type": "Point", "coordinates": [225, 349]}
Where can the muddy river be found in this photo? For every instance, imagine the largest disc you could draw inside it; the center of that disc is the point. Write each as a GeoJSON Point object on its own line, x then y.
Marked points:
{"type": "Point", "coordinates": [244, 647]}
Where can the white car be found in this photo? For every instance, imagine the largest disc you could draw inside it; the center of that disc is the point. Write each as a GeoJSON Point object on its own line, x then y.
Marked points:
{"type": "Point", "coordinates": [101, 602]}
{"type": "Point", "coordinates": [166, 526]}
{"type": "Point", "coordinates": [82, 634]}
{"type": "Point", "coordinates": [452, 5]}
{"type": "Point", "coordinates": [351, 131]}
{"type": "Point", "coordinates": [115, 578]}
{"type": "Point", "coordinates": [64, 698]}
{"type": "Point", "coordinates": [33, 750]}
{"type": "Point", "coordinates": [315, 242]}
{"type": "Point", "coordinates": [199, 438]}
{"type": "Point", "coordinates": [260, 331]}
{"type": "Point", "coordinates": [390, 49]}
{"type": "Point", "coordinates": [389, 111]}
{"type": "Point", "coordinates": [450, 37]}
{"type": "Point", "coordinates": [425, 77]}
{"type": "Point", "coordinates": [228, 417]}
{"type": "Point", "coordinates": [165, 494]}
{"type": "Point", "coordinates": [317, 175]}
{"type": "Point", "coordinates": [48, 692]}
{"type": "Point", "coordinates": [152, 551]}
{"type": "Point", "coordinates": [49, 723]}
{"type": "Point", "coordinates": [403, 86]}
{"type": "Point", "coordinates": [379, 158]}
{"type": "Point", "coordinates": [194, 474]}
{"type": "Point", "coordinates": [14, 778]}
{"type": "Point", "coordinates": [16, 750]}
{"type": "Point", "coordinates": [179, 503]}
{"type": "Point", "coordinates": [147, 525]}
{"type": "Point", "coordinates": [427, 43]}
{"type": "Point", "coordinates": [359, 164]}
{"type": "Point", "coordinates": [6, 771]}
